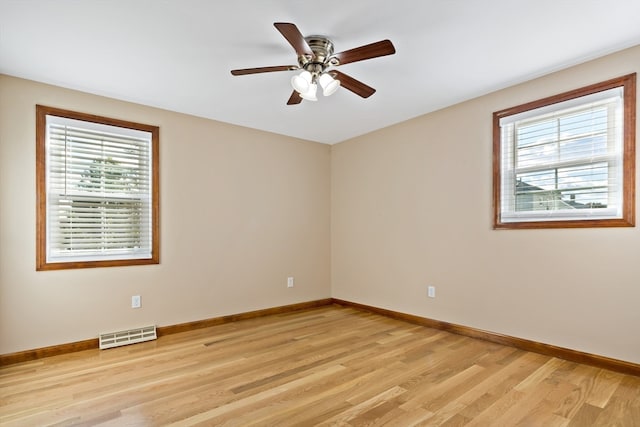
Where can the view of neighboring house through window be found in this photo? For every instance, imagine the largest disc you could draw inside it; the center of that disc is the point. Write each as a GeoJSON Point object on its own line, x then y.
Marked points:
{"type": "Point", "coordinates": [568, 160]}
{"type": "Point", "coordinates": [97, 191]}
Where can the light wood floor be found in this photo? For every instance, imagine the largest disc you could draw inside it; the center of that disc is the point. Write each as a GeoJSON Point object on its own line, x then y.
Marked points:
{"type": "Point", "coordinates": [326, 366]}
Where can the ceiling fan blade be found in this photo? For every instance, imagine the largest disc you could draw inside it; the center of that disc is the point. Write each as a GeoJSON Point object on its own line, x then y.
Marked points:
{"type": "Point", "coordinates": [355, 86]}
{"type": "Point", "coordinates": [294, 37]}
{"type": "Point", "coordinates": [295, 98]}
{"type": "Point", "coordinates": [244, 71]}
{"type": "Point", "coordinates": [373, 50]}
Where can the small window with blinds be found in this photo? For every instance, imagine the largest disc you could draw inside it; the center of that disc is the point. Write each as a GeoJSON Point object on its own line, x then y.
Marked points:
{"type": "Point", "coordinates": [568, 160]}
{"type": "Point", "coordinates": [97, 190]}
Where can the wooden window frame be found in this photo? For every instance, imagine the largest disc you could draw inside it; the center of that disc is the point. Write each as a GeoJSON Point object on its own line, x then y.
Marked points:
{"type": "Point", "coordinates": [41, 190]}
{"type": "Point", "coordinates": [627, 219]}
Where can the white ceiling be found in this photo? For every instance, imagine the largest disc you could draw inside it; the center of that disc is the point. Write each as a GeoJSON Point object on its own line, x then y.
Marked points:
{"type": "Point", "coordinates": [177, 54]}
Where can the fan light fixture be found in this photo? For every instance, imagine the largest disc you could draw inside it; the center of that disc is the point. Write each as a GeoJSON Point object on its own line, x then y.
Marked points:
{"type": "Point", "coordinates": [301, 82]}
{"type": "Point", "coordinates": [306, 84]}
{"type": "Point", "coordinates": [329, 84]}
{"type": "Point", "coordinates": [310, 94]}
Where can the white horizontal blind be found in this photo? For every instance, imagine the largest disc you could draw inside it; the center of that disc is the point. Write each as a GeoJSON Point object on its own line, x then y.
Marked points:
{"type": "Point", "coordinates": [564, 161]}
{"type": "Point", "coordinates": [98, 191]}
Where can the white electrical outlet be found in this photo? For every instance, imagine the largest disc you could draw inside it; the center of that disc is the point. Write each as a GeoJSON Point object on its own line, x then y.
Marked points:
{"type": "Point", "coordinates": [431, 291]}
{"type": "Point", "coordinates": [135, 301]}
{"type": "Point", "coordinates": [289, 282]}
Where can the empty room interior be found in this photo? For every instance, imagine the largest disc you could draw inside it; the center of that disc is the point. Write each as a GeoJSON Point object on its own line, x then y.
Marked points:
{"type": "Point", "coordinates": [394, 253]}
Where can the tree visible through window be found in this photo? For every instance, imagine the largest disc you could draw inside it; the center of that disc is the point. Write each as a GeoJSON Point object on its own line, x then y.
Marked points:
{"type": "Point", "coordinates": [568, 160]}
{"type": "Point", "coordinates": [97, 192]}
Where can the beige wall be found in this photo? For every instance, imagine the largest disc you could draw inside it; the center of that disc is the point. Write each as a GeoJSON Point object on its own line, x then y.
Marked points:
{"type": "Point", "coordinates": [373, 220]}
{"type": "Point", "coordinates": [411, 207]}
{"type": "Point", "coordinates": [240, 211]}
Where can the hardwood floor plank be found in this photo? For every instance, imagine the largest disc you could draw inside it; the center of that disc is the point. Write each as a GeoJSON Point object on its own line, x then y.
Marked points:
{"type": "Point", "coordinates": [425, 394]}
{"type": "Point", "coordinates": [620, 413]}
{"type": "Point", "coordinates": [523, 366]}
{"type": "Point", "coordinates": [445, 415]}
{"type": "Point", "coordinates": [605, 384]}
{"type": "Point", "coordinates": [456, 421]}
{"type": "Point", "coordinates": [585, 416]}
{"type": "Point", "coordinates": [512, 399]}
{"type": "Point", "coordinates": [255, 399]}
{"type": "Point", "coordinates": [542, 414]}
{"type": "Point", "coordinates": [362, 407]}
{"type": "Point", "coordinates": [328, 365]}
{"type": "Point", "coordinates": [320, 402]}
{"type": "Point", "coordinates": [567, 398]}
{"type": "Point", "coordinates": [532, 400]}
{"type": "Point", "coordinates": [539, 375]}
{"type": "Point", "coordinates": [401, 418]}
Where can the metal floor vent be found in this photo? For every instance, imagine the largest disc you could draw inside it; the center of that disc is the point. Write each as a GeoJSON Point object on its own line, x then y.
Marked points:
{"type": "Point", "coordinates": [131, 336]}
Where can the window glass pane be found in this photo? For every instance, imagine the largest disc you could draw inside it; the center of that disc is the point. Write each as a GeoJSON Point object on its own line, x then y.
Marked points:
{"type": "Point", "coordinates": [583, 148]}
{"type": "Point", "coordinates": [538, 155]}
{"type": "Point", "coordinates": [537, 133]}
{"type": "Point", "coordinates": [89, 225]}
{"type": "Point", "coordinates": [591, 176]}
{"type": "Point", "coordinates": [585, 186]}
{"type": "Point", "coordinates": [536, 191]}
{"type": "Point", "coordinates": [589, 122]}
{"type": "Point", "coordinates": [576, 187]}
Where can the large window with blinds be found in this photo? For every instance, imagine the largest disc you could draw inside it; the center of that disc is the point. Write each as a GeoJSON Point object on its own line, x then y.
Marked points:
{"type": "Point", "coordinates": [567, 160]}
{"type": "Point", "coordinates": [97, 190]}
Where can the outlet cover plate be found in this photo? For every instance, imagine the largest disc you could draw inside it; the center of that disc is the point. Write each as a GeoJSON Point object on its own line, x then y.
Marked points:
{"type": "Point", "coordinates": [135, 301]}
{"type": "Point", "coordinates": [431, 291]}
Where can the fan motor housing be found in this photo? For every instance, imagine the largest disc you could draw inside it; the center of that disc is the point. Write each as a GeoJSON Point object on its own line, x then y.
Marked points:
{"type": "Point", "coordinates": [322, 48]}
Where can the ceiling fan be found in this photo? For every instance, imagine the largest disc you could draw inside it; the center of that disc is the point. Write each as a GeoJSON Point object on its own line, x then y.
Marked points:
{"type": "Point", "coordinates": [315, 59]}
